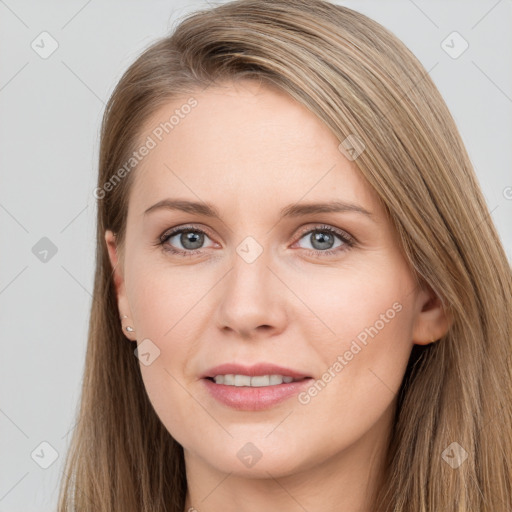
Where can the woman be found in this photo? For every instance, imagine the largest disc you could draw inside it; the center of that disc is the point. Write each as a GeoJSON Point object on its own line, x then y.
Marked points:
{"type": "Point", "coordinates": [366, 370]}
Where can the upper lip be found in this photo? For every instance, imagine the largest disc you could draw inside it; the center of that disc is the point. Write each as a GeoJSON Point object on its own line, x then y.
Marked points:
{"type": "Point", "coordinates": [256, 369]}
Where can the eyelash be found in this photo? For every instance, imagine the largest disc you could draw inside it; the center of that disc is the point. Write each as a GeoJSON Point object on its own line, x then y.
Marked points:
{"type": "Point", "coordinates": [348, 241]}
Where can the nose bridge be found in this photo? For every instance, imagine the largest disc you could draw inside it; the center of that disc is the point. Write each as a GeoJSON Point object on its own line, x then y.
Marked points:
{"type": "Point", "coordinates": [249, 296]}
{"type": "Point", "coordinates": [250, 275]}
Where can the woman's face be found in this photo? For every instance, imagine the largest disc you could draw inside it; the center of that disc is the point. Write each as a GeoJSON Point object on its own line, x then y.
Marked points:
{"type": "Point", "coordinates": [323, 291]}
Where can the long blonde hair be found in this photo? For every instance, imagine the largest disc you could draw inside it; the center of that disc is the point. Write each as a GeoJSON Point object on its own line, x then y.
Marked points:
{"type": "Point", "coordinates": [362, 81]}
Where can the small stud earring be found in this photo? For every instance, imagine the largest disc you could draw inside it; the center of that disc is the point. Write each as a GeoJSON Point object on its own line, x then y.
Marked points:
{"type": "Point", "coordinates": [128, 327]}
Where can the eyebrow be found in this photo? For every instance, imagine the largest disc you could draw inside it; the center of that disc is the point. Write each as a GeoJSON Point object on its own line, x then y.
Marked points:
{"type": "Point", "coordinates": [293, 210]}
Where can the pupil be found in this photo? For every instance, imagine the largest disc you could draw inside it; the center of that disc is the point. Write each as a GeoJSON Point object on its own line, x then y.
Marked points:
{"type": "Point", "coordinates": [192, 240]}
{"type": "Point", "coordinates": [324, 240]}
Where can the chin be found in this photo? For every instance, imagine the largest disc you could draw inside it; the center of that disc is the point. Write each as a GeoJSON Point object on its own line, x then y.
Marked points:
{"type": "Point", "coordinates": [250, 459]}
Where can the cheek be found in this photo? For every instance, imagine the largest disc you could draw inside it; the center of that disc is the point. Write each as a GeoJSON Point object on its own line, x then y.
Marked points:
{"type": "Point", "coordinates": [161, 295]}
{"type": "Point", "coordinates": [365, 352]}
{"type": "Point", "coordinates": [168, 312]}
{"type": "Point", "coordinates": [365, 303]}
{"type": "Point", "coordinates": [167, 309]}
{"type": "Point", "coordinates": [363, 367]}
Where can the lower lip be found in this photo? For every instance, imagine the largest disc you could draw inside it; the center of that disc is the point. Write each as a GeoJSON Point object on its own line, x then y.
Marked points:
{"type": "Point", "coordinates": [245, 398]}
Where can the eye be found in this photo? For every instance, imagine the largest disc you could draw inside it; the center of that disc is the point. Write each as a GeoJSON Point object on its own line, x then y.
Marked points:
{"type": "Point", "coordinates": [322, 241]}
{"type": "Point", "coordinates": [190, 238]}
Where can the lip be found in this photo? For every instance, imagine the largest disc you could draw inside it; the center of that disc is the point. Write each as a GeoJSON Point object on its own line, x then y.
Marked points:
{"type": "Point", "coordinates": [245, 398]}
{"type": "Point", "coordinates": [256, 369]}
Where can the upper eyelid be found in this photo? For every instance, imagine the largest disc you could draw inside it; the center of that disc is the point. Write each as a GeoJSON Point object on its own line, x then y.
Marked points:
{"type": "Point", "coordinates": [178, 229]}
{"type": "Point", "coordinates": [327, 227]}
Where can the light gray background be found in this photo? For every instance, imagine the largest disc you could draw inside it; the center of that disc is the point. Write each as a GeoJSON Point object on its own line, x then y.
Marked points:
{"type": "Point", "coordinates": [50, 117]}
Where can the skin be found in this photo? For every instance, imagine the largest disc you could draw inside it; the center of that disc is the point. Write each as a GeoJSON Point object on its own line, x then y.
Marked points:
{"type": "Point", "coordinates": [251, 150]}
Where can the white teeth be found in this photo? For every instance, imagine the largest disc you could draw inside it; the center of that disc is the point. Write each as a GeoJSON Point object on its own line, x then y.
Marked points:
{"type": "Point", "coordinates": [241, 380]}
{"type": "Point", "coordinates": [256, 381]}
{"type": "Point", "coordinates": [277, 379]}
{"type": "Point", "coordinates": [263, 380]}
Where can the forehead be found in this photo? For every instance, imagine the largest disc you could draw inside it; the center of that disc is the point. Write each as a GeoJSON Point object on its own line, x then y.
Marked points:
{"type": "Point", "coordinates": [243, 144]}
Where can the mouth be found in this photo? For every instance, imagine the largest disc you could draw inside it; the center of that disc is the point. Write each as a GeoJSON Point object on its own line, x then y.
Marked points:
{"type": "Point", "coordinates": [253, 388]}
{"type": "Point", "coordinates": [259, 374]}
{"type": "Point", "coordinates": [254, 381]}
{"type": "Point", "coordinates": [254, 393]}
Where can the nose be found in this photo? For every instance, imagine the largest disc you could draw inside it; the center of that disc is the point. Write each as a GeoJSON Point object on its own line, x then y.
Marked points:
{"type": "Point", "coordinates": [252, 300]}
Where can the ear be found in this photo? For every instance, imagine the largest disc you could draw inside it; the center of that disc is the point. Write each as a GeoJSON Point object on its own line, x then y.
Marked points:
{"type": "Point", "coordinates": [125, 314]}
{"type": "Point", "coordinates": [432, 320]}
